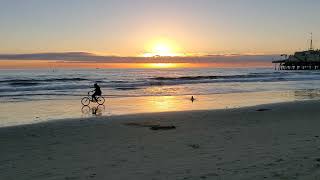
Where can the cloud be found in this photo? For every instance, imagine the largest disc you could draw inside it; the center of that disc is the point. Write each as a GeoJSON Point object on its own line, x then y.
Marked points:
{"type": "Point", "coordinates": [89, 58]}
{"type": "Point", "coordinates": [50, 56]}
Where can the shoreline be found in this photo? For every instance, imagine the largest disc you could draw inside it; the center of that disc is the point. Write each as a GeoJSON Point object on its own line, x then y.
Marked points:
{"type": "Point", "coordinates": [275, 141]}
{"type": "Point", "coordinates": [29, 112]}
{"type": "Point", "coordinates": [122, 117]}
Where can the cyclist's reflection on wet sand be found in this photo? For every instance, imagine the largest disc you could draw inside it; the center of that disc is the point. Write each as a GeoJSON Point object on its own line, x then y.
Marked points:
{"type": "Point", "coordinates": [94, 110]}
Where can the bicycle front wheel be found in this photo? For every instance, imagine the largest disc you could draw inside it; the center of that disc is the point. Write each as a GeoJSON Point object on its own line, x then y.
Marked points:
{"type": "Point", "coordinates": [85, 101]}
{"type": "Point", "coordinates": [101, 100]}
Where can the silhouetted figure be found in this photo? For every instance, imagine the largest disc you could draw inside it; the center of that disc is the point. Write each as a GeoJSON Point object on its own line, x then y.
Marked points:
{"type": "Point", "coordinates": [192, 98]}
{"type": "Point", "coordinates": [97, 92]}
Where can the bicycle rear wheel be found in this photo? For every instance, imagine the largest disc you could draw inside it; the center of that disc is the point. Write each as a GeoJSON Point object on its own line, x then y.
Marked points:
{"type": "Point", "coordinates": [85, 110]}
{"type": "Point", "coordinates": [101, 100]}
{"type": "Point", "coordinates": [85, 101]}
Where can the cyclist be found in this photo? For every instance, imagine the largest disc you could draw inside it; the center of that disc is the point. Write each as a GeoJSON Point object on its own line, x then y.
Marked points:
{"type": "Point", "coordinates": [97, 92]}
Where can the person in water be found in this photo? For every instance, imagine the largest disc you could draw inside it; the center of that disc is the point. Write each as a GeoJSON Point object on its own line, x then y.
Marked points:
{"type": "Point", "coordinates": [97, 92]}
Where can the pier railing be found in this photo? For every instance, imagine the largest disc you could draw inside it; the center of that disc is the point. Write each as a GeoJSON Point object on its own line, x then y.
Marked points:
{"type": "Point", "coordinates": [296, 65]}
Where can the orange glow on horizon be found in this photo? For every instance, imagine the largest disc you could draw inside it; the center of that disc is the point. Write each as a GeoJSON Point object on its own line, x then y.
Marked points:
{"type": "Point", "coordinates": [161, 65]}
{"type": "Point", "coordinates": [21, 64]}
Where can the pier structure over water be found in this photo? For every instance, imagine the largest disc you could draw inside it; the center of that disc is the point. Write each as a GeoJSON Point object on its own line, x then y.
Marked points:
{"type": "Point", "coordinates": [304, 60]}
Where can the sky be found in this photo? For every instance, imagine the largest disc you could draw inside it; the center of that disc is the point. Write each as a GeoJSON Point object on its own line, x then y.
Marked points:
{"type": "Point", "coordinates": [134, 27]}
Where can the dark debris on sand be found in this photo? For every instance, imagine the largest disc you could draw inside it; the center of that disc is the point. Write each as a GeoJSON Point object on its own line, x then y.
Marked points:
{"type": "Point", "coordinates": [263, 109]}
{"type": "Point", "coordinates": [151, 125]}
{"type": "Point", "coordinates": [162, 127]}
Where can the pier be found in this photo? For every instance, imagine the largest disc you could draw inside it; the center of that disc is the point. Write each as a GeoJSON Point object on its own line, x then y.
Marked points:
{"type": "Point", "coordinates": [304, 60]}
{"type": "Point", "coordinates": [296, 65]}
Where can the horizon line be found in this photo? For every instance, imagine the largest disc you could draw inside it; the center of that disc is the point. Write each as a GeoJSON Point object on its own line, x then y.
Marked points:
{"type": "Point", "coordinates": [82, 55]}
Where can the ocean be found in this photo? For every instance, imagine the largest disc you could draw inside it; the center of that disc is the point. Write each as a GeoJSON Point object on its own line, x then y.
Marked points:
{"type": "Point", "coordinates": [38, 95]}
{"type": "Point", "coordinates": [39, 84]}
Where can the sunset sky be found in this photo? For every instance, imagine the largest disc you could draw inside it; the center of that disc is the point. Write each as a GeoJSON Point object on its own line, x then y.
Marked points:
{"type": "Point", "coordinates": [145, 27]}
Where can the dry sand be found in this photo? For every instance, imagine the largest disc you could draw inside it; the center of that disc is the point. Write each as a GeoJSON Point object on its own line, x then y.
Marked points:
{"type": "Point", "coordinates": [280, 141]}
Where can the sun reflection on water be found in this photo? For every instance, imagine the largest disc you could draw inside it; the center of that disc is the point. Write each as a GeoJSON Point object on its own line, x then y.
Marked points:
{"type": "Point", "coordinates": [164, 104]}
{"type": "Point", "coordinates": [162, 65]}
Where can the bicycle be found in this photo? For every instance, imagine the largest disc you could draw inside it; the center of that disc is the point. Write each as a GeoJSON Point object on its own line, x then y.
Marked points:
{"type": "Point", "coordinates": [86, 100]}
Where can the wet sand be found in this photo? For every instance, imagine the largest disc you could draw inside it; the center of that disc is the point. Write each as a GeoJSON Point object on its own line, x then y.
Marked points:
{"type": "Point", "coordinates": [277, 141]}
{"type": "Point", "coordinates": [27, 112]}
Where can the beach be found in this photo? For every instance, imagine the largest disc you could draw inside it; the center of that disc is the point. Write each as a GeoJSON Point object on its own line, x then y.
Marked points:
{"type": "Point", "coordinates": [275, 141]}
{"type": "Point", "coordinates": [159, 90]}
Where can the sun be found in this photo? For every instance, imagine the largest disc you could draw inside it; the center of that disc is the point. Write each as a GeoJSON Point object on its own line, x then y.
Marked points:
{"type": "Point", "coordinates": [162, 48]}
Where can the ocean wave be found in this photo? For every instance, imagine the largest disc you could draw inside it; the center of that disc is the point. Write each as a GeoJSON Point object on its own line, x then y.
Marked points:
{"type": "Point", "coordinates": [164, 78]}
{"type": "Point", "coordinates": [22, 83]}
{"type": "Point", "coordinates": [30, 81]}
{"type": "Point", "coordinates": [79, 82]}
{"type": "Point", "coordinates": [66, 85]}
{"type": "Point", "coordinates": [51, 87]}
